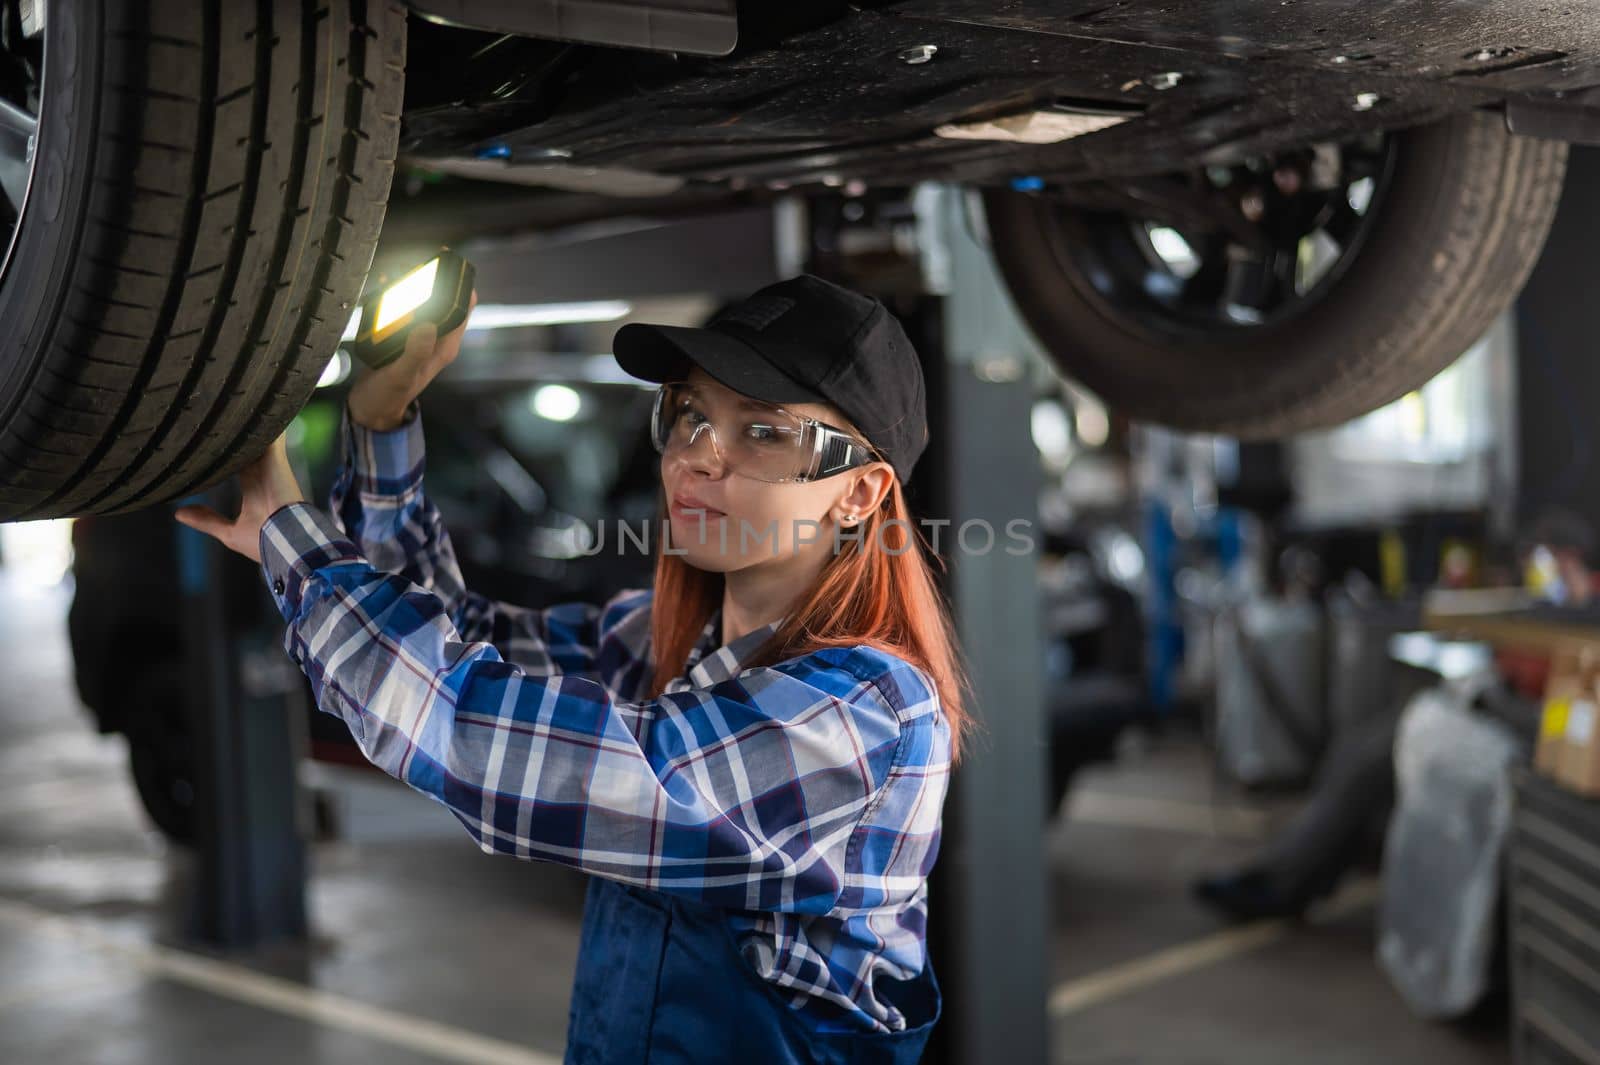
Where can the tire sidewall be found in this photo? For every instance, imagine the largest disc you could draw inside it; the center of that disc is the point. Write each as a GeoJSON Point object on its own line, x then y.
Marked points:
{"type": "Point", "coordinates": [1261, 377]}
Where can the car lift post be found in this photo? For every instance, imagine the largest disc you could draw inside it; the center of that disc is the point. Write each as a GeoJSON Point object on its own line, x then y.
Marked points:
{"type": "Point", "coordinates": [247, 718]}
{"type": "Point", "coordinates": [989, 920]}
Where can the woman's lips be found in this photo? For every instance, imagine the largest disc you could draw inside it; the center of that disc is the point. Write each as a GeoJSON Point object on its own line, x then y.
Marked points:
{"type": "Point", "coordinates": [689, 508]}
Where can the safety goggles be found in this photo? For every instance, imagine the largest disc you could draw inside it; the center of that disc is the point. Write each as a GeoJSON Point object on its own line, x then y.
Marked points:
{"type": "Point", "coordinates": [756, 440]}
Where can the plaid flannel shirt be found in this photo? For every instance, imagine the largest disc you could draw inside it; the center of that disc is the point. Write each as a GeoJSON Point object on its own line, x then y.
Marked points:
{"type": "Point", "coordinates": [804, 798]}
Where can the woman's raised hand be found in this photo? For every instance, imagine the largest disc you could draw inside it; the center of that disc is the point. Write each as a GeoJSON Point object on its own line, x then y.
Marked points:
{"type": "Point", "coordinates": [378, 399]}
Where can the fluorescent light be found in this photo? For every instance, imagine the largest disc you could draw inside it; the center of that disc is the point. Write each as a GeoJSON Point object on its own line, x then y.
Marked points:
{"type": "Point", "coordinates": [1052, 433]}
{"type": "Point", "coordinates": [1092, 421]}
{"type": "Point", "coordinates": [352, 328]}
{"type": "Point", "coordinates": [556, 402]}
{"type": "Point", "coordinates": [540, 367]}
{"type": "Point", "coordinates": [513, 315]}
{"type": "Point", "coordinates": [406, 295]}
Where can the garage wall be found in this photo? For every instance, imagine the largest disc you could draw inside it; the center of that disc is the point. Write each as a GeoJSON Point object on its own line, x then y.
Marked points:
{"type": "Point", "coordinates": [1558, 333]}
{"type": "Point", "coordinates": [1433, 451]}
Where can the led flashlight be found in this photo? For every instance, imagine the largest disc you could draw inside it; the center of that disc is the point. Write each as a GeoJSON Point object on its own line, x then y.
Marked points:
{"type": "Point", "coordinates": [438, 291]}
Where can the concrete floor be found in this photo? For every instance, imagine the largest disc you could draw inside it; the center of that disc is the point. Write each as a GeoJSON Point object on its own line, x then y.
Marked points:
{"type": "Point", "coordinates": [425, 950]}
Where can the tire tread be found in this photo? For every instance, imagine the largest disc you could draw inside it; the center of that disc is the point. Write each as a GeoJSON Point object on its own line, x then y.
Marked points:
{"type": "Point", "coordinates": [234, 205]}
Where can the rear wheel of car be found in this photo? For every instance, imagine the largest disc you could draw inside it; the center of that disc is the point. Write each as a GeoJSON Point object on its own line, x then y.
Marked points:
{"type": "Point", "coordinates": [1282, 294]}
{"type": "Point", "coordinates": [201, 187]}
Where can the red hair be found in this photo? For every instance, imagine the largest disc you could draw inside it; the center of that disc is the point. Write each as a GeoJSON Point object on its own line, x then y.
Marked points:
{"type": "Point", "coordinates": [878, 590]}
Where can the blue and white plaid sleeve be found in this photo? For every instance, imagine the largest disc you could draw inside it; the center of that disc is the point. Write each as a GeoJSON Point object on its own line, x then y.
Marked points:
{"type": "Point", "coordinates": [763, 791]}
{"type": "Point", "coordinates": [377, 501]}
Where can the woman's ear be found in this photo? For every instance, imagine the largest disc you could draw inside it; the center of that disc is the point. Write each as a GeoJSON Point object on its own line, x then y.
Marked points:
{"type": "Point", "coordinates": [869, 487]}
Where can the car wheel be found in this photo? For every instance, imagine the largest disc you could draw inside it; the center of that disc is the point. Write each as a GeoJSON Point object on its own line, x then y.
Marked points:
{"type": "Point", "coordinates": [161, 752]}
{"type": "Point", "coordinates": [190, 196]}
{"type": "Point", "coordinates": [1283, 294]}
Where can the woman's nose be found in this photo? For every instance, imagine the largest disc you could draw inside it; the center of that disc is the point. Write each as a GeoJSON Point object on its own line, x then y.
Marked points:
{"type": "Point", "coordinates": [702, 453]}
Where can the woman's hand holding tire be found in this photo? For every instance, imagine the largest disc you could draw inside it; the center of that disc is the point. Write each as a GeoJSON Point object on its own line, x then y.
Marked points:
{"type": "Point", "coordinates": [265, 485]}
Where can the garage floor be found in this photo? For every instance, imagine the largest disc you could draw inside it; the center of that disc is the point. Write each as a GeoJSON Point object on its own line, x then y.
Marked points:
{"type": "Point", "coordinates": [428, 951]}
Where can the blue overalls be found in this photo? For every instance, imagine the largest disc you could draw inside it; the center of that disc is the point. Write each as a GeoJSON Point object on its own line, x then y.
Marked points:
{"type": "Point", "coordinates": [661, 981]}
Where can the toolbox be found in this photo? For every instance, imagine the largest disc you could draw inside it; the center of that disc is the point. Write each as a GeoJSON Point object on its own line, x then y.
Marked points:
{"type": "Point", "coordinates": [1554, 875]}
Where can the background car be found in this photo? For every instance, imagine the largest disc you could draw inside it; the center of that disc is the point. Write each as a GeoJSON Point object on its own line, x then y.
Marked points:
{"type": "Point", "coordinates": [1237, 216]}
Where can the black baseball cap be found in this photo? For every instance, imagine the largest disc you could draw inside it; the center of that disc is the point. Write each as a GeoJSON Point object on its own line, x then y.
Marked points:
{"type": "Point", "coordinates": [804, 340]}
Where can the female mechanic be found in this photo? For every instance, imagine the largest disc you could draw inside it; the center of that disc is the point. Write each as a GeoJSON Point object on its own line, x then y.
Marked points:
{"type": "Point", "coordinates": [750, 758]}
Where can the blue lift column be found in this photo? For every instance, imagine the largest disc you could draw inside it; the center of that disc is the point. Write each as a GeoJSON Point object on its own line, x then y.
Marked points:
{"type": "Point", "coordinates": [247, 714]}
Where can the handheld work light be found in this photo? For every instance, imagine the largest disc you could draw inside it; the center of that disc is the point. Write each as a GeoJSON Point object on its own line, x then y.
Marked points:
{"type": "Point", "coordinates": [438, 291]}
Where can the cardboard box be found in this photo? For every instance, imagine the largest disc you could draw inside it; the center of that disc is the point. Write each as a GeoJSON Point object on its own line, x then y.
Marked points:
{"type": "Point", "coordinates": [1580, 753]}
{"type": "Point", "coordinates": [1562, 689]}
{"type": "Point", "coordinates": [1568, 750]}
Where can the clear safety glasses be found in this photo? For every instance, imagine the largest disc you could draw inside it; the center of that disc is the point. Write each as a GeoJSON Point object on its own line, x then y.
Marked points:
{"type": "Point", "coordinates": [755, 440]}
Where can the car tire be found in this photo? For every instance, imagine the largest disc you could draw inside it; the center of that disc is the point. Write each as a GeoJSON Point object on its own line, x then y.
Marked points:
{"type": "Point", "coordinates": [161, 753]}
{"type": "Point", "coordinates": [209, 180]}
{"type": "Point", "coordinates": [1465, 215]}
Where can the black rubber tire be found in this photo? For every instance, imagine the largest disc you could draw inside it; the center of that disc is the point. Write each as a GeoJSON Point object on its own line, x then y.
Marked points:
{"type": "Point", "coordinates": [209, 183]}
{"type": "Point", "coordinates": [161, 755]}
{"type": "Point", "coordinates": [1458, 232]}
